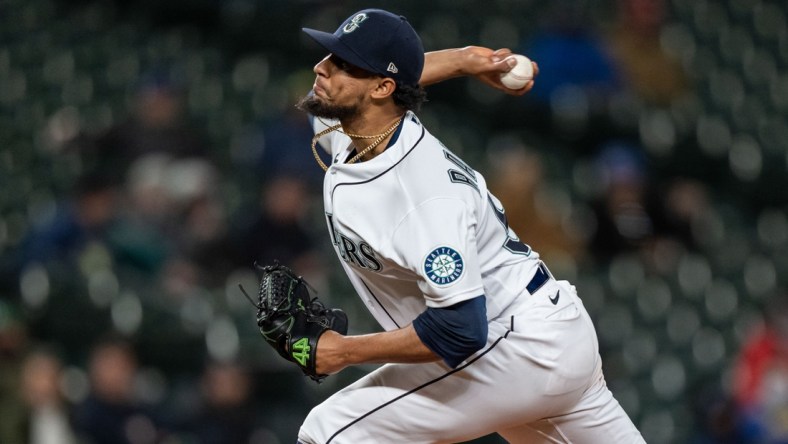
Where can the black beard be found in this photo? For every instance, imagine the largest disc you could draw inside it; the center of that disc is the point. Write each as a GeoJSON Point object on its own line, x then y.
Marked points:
{"type": "Point", "coordinates": [316, 107]}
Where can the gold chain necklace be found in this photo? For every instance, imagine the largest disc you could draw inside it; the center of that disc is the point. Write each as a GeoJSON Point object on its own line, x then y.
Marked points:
{"type": "Point", "coordinates": [378, 139]}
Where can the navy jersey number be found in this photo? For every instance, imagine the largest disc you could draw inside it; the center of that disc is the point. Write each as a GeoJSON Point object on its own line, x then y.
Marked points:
{"type": "Point", "coordinates": [468, 177]}
{"type": "Point", "coordinates": [512, 242]}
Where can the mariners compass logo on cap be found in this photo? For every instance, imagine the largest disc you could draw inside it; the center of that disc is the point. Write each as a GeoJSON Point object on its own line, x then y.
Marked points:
{"type": "Point", "coordinates": [379, 42]}
{"type": "Point", "coordinates": [354, 22]}
{"type": "Point", "coordinates": [443, 265]}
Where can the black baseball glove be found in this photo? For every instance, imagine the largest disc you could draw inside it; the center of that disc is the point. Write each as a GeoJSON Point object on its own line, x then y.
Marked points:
{"type": "Point", "coordinates": [292, 321]}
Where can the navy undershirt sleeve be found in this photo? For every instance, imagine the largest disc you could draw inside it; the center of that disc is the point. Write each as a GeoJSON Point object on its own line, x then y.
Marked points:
{"type": "Point", "coordinates": [454, 332]}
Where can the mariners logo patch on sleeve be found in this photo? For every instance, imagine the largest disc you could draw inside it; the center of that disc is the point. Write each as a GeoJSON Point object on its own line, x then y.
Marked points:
{"type": "Point", "coordinates": [443, 266]}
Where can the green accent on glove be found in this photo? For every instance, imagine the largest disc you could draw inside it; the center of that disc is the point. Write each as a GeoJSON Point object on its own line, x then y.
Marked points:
{"type": "Point", "coordinates": [291, 320]}
{"type": "Point", "coordinates": [301, 351]}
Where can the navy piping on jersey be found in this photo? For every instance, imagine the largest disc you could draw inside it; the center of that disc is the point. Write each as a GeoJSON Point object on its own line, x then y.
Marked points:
{"type": "Point", "coordinates": [426, 384]}
{"type": "Point", "coordinates": [392, 141]}
{"type": "Point", "coordinates": [379, 303]}
{"type": "Point", "coordinates": [397, 132]}
{"type": "Point", "coordinates": [387, 169]}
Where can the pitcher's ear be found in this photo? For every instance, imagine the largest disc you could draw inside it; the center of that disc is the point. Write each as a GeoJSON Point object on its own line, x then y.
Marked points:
{"type": "Point", "coordinates": [384, 87]}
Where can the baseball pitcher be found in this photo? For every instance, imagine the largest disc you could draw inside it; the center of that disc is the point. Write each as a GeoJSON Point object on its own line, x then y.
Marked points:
{"type": "Point", "coordinates": [479, 337]}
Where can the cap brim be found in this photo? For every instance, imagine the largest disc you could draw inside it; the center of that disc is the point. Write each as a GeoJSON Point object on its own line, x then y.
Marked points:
{"type": "Point", "coordinates": [336, 47]}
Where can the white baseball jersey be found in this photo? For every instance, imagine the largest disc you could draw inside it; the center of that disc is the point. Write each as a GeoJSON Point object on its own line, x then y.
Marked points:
{"type": "Point", "coordinates": [415, 227]}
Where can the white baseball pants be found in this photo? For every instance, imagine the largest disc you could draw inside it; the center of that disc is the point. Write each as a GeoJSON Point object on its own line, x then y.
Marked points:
{"type": "Point", "coordinates": [538, 380]}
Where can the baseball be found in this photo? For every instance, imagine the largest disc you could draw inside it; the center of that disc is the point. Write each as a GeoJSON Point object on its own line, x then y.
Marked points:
{"type": "Point", "coordinates": [521, 74]}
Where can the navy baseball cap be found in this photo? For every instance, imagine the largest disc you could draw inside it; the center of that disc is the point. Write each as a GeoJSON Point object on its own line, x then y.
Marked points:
{"type": "Point", "coordinates": [379, 42]}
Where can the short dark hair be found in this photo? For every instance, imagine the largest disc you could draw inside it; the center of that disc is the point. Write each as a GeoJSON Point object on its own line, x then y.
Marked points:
{"type": "Point", "coordinates": [409, 97]}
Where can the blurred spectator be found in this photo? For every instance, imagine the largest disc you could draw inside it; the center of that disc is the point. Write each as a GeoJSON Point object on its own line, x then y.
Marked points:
{"type": "Point", "coordinates": [577, 75]}
{"type": "Point", "coordinates": [518, 181]}
{"type": "Point", "coordinates": [142, 236]}
{"type": "Point", "coordinates": [48, 415]}
{"type": "Point", "coordinates": [635, 213]}
{"type": "Point", "coordinates": [200, 224]}
{"type": "Point", "coordinates": [85, 217]}
{"type": "Point", "coordinates": [286, 138]}
{"type": "Point", "coordinates": [276, 229]}
{"type": "Point", "coordinates": [761, 377]}
{"type": "Point", "coordinates": [571, 54]}
{"type": "Point", "coordinates": [650, 72]}
{"type": "Point", "coordinates": [111, 413]}
{"type": "Point", "coordinates": [716, 421]}
{"type": "Point", "coordinates": [685, 202]}
{"type": "Point", "coordinates": [624, 219]}
{"type": "Point", "coordinates": [174, 223]}
{"type": "Point", "coordinates": [157, 124]}
{"type": "Point", "coordinates": [13, 344]}
{"type": "Point", "coordinates": [227, 414]}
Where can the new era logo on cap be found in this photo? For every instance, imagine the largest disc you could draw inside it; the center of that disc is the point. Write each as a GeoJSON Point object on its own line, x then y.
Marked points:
{"type": "Point", "coordinates": [379, 42]}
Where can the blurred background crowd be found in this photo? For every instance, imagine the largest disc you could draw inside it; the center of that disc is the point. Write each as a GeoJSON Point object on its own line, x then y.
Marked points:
{"type": "Point", "coordinates": [150, 153]}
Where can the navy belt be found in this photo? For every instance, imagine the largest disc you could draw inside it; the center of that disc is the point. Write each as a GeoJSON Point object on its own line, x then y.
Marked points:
{"type": "Point", "coordinates": [541, 276]}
